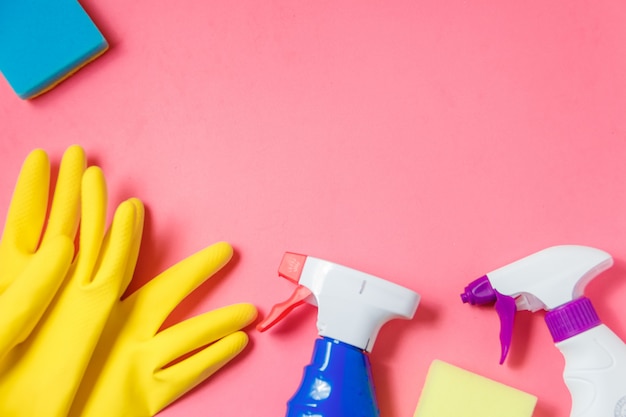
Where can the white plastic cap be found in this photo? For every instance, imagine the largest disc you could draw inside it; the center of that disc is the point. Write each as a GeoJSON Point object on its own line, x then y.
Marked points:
{"type": "Point", "coordinates": [551, 277]}
{"type": "Point", "coordinates": [353, 306]}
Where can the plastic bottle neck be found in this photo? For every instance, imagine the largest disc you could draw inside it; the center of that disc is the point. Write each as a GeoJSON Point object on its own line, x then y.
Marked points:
{"type": "Point", "coordinates": [337, 383]}
{"type": "Point", "coordinates": [571, 319]}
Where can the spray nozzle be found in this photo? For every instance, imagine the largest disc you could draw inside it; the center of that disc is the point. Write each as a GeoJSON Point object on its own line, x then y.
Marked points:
{"type": "Point", "coordinates": [546, 280]}
{"type": "Point", "coordinates": [290, 268]}
{"type": "Point", "coordinates": [352, 305]}
{"type": "Point", "coordinates": [480, 292]}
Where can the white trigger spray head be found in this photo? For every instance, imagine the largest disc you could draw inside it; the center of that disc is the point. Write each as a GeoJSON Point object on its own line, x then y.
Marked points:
{"type": "Point", "coordinates": [352, 305]}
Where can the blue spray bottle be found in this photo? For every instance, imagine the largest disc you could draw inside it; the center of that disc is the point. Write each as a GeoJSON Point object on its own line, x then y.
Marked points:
{"type": "Point", "coordinates": [352, 308]}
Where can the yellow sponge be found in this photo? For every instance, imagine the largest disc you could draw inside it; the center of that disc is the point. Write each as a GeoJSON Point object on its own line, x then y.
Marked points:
{"type": "Point", "coordinates": [451, 392]}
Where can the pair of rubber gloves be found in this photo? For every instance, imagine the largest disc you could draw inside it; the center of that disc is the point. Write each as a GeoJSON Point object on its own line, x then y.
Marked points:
{"type": "Point", "coordinates": [69, 345]}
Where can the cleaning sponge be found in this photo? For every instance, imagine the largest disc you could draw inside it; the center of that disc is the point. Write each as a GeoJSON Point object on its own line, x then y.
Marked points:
{"type": "Point", "coordinates": [451, 392]}
{"type": "Point", "coordinates": [42, 42]}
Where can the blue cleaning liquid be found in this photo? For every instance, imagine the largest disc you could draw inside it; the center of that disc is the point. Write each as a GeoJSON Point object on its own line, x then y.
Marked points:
{"type": "Point", "coordinates": [337, 383]}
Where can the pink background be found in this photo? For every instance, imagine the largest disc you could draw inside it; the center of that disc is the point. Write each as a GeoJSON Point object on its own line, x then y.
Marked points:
{"type": "Point", "coordinates": [424, 142]}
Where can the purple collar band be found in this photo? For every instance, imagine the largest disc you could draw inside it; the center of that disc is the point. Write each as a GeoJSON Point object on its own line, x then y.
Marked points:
{"type": "Point", "coordinates": [571, 319]}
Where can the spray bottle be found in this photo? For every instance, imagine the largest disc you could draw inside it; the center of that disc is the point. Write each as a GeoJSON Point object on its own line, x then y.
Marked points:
{"type": "Point", "coordinates": [352, 308]}
{"type": "Point", "coordinates": [554, 280]}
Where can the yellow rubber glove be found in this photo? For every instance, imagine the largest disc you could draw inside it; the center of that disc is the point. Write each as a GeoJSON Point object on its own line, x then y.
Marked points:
{"type": "Point", "coordinates": [40, 376]}
{"type": "Point", "coordinates": [129, 374]}
{"type": "Point", "coordinates": [36, 249]}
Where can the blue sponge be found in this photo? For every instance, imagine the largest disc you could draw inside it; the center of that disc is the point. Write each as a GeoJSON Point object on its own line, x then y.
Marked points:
{"type": "Point", "coordinates": [42, 42]}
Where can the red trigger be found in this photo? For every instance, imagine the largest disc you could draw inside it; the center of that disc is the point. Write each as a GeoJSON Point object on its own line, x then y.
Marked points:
{"type": "Point", "coordinates": [280, 310]}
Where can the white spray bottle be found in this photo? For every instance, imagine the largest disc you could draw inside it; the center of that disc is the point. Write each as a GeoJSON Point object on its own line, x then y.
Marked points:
{"type": "Point", "coordinates": [554, 279]}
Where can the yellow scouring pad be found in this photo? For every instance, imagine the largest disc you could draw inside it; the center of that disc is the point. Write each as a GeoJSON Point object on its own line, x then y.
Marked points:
{"type": "Point", "coordinates": [451, 392]}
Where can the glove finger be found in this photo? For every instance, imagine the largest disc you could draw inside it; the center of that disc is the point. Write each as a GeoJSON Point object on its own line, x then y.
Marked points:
{"type": "Point", "coordinates": [186, 336]}
{"type": "Point", "coordinates": [133, 251]}
{"type": "Point", "coordinates": [119, 248]}
{"type": "Point", "coordinates": [93, 222]}
{"type": "Point", "coordinates": [163, 293]}
{"type": "Point", "coordinates": [24, 302]}
{"type": "Point", "coordinates": [27, 211]}
{"type": "Point", "coordinates": [65, 209]}
{"type": "Point", "coordinates": [185, 375]}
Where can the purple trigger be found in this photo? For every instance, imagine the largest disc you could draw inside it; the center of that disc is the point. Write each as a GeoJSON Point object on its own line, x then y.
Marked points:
{"type": "Point", "coordinates": [481, 292]}
{"type": "Point", "coordinates": [506, 308]}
